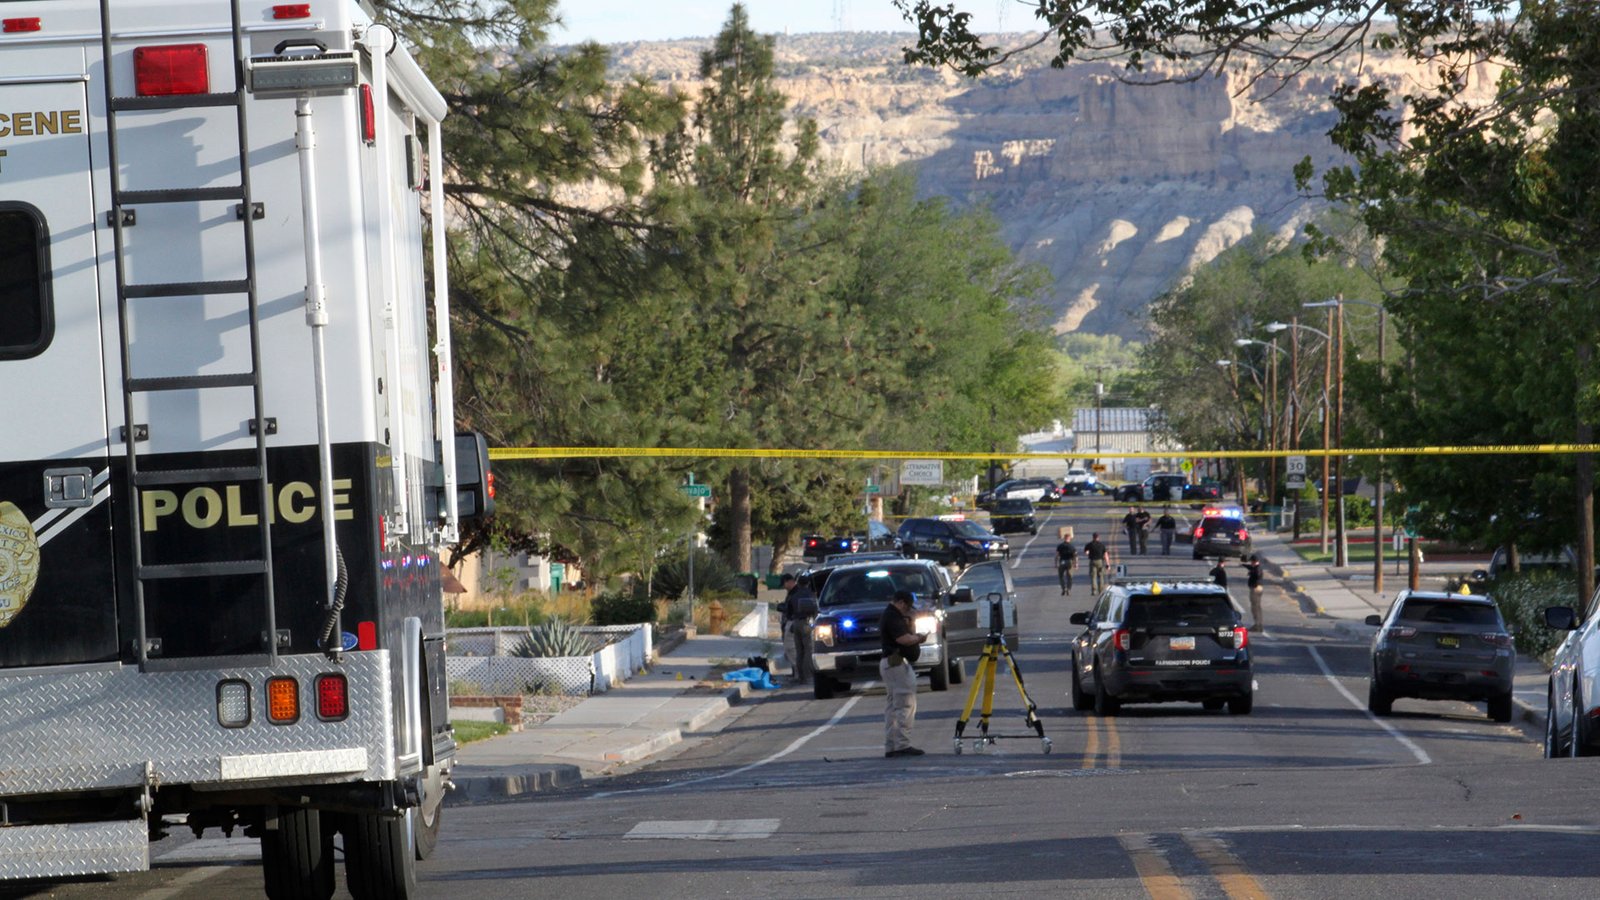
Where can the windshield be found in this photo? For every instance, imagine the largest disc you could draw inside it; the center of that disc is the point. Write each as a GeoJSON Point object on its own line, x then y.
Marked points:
{"type": "Point", "coordinates": [877, 585]}
{"type": "Point", "coordinates": [984, 579]}
{"type": "Point", "coordinates": [1013, 506]}
{"type": "Point", "coordinates": [970, 529]}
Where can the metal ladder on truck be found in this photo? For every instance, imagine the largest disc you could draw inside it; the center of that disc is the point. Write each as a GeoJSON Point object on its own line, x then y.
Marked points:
{"type": "Point", "coordinates": [253, 476]}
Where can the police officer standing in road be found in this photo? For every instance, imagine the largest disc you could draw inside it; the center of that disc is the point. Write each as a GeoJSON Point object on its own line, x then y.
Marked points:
{"type": "Point", "coordinates": [1130, 526]}
{"type": "Point", "coordinates": [798, 610]}
{"type": "Point", "coordinates": [1168, 526]}
{"type": "Point", "coordinates": [1066, 561]}
{"type": "Point", "coordinates": [901, 647]}
{"type": "Point", "coordinates": [1142, 520]}
{"type": "Point", "coordinates": [1098, 563]}
{"type": "Point", "coordinates": [1252, 571]}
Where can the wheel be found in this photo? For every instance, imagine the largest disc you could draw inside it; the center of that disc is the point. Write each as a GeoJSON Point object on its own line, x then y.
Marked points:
{"type": "Point", "coordinates": [958, 671]}
{"type": "Point", "coordinates": [1104, 703]}
{"type": "Point", "coordinates": [427, 829]}
{"type": "Point", "coordinates": [1552, 744]}
{"type": "Point", "coordinates": [1213, 704]}
{"type": "Point", "coordinates": [939, 677]}
{"type": "Point", "coordinates": [959, 559]}
{"type": "Point", "coordinates": [1241, 706]}
{"type": "Point", "coordinates": [1378, 700]}
{"type": "Point", "coordinates": [822, 687]}
{"type": "Point", "coordinates": [1082, 701]}
{"type": "Point", "coordinates": [297, 856]}
{"type": "Point", "coordinates": [1500, 707]}
{"type": "Point", "coordinates": [380, 856]}
{"type": "Point", "coordinates": [1198, 556]}
{"type": "Point", "coordinates": [1579, 739]}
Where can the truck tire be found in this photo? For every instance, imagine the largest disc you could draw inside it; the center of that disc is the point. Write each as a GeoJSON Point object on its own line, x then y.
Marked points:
{"type": "Point", "coordinates": [939, 677]}
{"type": "Point", "coordinates": [958, 671]}
{"type": "Point", "coordinates": [380, 856]}
{"type": "Point", "coordinates": [427, 831]}
{"type": "Point", "coordinates": [297, 857]}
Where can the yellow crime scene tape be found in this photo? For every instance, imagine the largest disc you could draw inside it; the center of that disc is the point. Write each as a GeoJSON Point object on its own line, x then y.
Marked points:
{"type": "Point", "coordinates": [515, 453]}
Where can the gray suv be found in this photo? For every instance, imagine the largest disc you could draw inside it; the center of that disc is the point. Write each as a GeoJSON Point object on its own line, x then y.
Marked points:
{"type": "Point", "coordinates": [1151, 642]}
{"type": "Point", "coordinates": [1438, 646]}
{"type": "Point", "coordinates": [846, 642]}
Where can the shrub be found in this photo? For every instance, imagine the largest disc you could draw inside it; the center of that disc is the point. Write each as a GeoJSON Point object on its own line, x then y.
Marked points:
{"type": "Point", "coordinates": [711, 575]}
{"type": "Point", "coordinates": [624, 608]}
{"type": "Point", "coordinates": [557, 637]}
{"type": "Point", "coordinates": [1523, 598]}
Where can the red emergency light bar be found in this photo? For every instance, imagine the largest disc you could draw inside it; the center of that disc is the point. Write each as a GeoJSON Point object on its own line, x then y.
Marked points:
{"type": "Point", "coordinates": [1222, 512]}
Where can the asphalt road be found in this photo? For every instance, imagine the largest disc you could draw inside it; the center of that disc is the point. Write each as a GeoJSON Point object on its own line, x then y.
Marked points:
{"type": "Point", "coordinates": [1308, 796]}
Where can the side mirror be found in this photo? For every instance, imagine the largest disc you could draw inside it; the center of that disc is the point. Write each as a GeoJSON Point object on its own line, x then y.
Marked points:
{"type": "Point", "coordinates": [961, 595]}
{"type": "Point", "coordinates": [1374, 621]}
{"type": "Point", "coordinates": [1079, 618]}
{"type": "Point", "coordinates": [474, 479]}
{"type": "Point", "coordinates": [1480, 574]}
{"type": "Point", "coordinates": [1561, 618]}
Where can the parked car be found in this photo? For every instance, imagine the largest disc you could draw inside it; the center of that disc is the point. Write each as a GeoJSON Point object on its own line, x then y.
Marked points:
{"type": "Point", "coordinates": [1221, 532]}
{"type": "Point", "coordinates": [1153, 642]}
{"type": "Point", "coordinates": [1163, 486]}
{"type": "Point", "coordinates": [1570, 728]}
{"type": "Point", "coordinates": [1437, 646]}
{"type": "Point", "coordinates": [953, 613]}
{"type": "Point", "coordinates": [1010, 515]}
{"type": "Point", "coordinates": [878, 536]}
{"type": "Point", "coordinates": [1128, 492]}
{"type": "Point", "coordinates": [815, 546]}
{"type": "Point", "coordinates": [952, 540]}
{"type": "Point", "coordinates": [1035, 489]}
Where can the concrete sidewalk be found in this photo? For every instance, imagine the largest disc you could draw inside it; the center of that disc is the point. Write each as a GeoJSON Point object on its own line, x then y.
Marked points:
{"type": "Point", "coordinates": [680, 694]}
{"type": "Point", "coordinates": [1346, 596]}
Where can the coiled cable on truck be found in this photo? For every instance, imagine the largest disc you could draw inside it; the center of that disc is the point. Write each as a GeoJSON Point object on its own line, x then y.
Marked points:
{"type": "Point", "coordinates": [341, 585]}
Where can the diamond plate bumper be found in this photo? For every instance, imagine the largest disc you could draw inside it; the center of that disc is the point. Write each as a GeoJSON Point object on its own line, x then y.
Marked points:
{"type": "Point", "coordinates": [93, 728]}
{"type": "Point", "coordinates": [63, 851]}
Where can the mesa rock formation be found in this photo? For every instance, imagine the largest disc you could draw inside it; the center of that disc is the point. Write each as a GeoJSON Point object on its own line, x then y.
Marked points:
{"type": "Point", "coordinates": [1120, 190]}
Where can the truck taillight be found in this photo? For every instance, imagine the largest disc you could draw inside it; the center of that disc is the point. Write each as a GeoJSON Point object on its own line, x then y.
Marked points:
{"type": "Point", "coordinates": [1122, 639]}
{"type": "Point", "coordinates": [333, 697]}
{"type": "Point", "coordinates": [292, 11]}
{"type": "Point", "coordinates": [283, 700]}
{"type": "Point", "coordinates": [489, 480]}
{"type": "Point", "coordinates": [171, 69]}
{"type": "Point", "coordinates": [369, 115]}
{"type": "Point", "coordinates": [1241, 637]}
{"type": "Point", "coordinates": [1243, 534]}
{"type": "Point", "coordinates": [233, 704]}
{"type": "Point", "coordinates": [366, 635]}
{"type": "Point", "coordinates": [16, 26]}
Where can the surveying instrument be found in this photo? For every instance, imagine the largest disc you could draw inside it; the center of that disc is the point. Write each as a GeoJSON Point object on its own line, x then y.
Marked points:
{"type": "Point", "coordinates": [994, 648]}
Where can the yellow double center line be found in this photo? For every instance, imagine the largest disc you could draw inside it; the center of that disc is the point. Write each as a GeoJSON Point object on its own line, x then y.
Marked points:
{"type": "Point", "coordinates": [1161, 883]}
{"type": "Point", "coordinates": [1091, 744]}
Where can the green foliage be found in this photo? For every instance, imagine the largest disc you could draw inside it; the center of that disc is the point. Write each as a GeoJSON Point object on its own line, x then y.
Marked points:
{"type": "Point", "coordinates": [622, 608]}
{"type": "Point", "coordinates": [1523, 598]}
{"type": "Point", "coordinates": [712, 575]}
{"type": "Point", "coordinates": [555, 638]}
{"type": "Point", "coordinates": [468, 731]}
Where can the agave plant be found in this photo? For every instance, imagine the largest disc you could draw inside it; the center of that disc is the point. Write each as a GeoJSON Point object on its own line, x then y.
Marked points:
{"type": "Point", "coordinates": [557, 637]}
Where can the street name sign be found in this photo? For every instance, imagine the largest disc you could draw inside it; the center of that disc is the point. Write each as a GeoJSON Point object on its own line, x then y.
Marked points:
{"type": "Point", "coordinates": [696, 490]}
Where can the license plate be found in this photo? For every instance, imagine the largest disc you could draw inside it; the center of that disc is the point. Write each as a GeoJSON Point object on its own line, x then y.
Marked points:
{"type": "Point", "coordinates": [1448, 640]}
{"type": "Point", "coordinates": [1182, 643]}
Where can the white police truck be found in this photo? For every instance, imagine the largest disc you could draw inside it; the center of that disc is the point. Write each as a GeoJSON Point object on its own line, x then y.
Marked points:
{"type": "Point", "coordinates": [228, 463]}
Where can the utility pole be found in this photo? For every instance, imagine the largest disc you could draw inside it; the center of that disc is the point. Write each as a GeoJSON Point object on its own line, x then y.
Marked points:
{"type": "Point", "coordinates": [1099, 398]}
{"type": "Point", "coordinates": [1327, 410]}
{"type": "Point", "coordinates": [1294, 407]}
{"type": "Point", "coordinates": [1341, 555]}
{"type": "Point", "coordinates": [1377, 508]}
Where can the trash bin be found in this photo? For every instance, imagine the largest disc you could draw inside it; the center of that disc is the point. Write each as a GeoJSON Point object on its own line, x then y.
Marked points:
{"type": "Point", "coordinates": [775, 580]}
{"type": "Point", "coordinates": [747, 582]}
{"type": "Point", "coordinates": [1275, 518]}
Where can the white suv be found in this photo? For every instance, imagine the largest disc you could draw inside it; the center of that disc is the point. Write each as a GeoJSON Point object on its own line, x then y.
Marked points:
{"type": "Point", "coordinates": [1078, 481]}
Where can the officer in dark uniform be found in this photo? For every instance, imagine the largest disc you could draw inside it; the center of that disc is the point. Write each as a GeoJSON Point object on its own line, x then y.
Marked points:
{"type": "Point", "coordinates": [901, 647]}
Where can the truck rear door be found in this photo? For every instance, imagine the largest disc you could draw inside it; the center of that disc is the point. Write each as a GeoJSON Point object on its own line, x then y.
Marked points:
{"type": "Point", "coordinates": [57, 593]}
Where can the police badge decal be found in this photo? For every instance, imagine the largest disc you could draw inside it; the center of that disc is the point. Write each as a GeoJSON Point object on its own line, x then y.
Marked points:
{"type": "Point", "coordinates": [19, 561]}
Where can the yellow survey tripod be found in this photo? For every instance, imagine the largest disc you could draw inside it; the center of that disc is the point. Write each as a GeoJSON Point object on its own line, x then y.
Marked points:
{"type": "Point", "coordinates": [988, 664]}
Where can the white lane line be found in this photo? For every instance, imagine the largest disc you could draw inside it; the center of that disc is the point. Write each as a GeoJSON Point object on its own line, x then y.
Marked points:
{"type": "Point", "coordinates": [1017, 557]}
{"type": "Point", "coordinates": [702, 830]}
{"type": "Point", "coordinates": [1408, 743]}
{"type": "Point", "coordinates": [794, 745]}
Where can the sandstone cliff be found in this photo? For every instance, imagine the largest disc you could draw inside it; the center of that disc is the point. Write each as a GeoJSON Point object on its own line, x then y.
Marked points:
{"type": "Point", "coordinates": [1118, 189]}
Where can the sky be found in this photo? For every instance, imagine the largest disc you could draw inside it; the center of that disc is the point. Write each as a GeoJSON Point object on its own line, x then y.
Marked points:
{"type": "Point", "coordinates": [613, 21]}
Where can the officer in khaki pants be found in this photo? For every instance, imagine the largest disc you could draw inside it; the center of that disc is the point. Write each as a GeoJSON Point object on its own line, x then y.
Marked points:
{"type": "Point", "coordinates": [901, 647]}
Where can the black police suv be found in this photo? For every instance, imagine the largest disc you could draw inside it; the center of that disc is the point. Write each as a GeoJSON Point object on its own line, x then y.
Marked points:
{"type": "Point", "coordinates": [1153, 642]}
{"type": "Point", "coordinates": [957, 541]}
{"type": "Point", "coordinates": [1222, 532]}
{"type": "Point", "coordinates": [1013, 514]}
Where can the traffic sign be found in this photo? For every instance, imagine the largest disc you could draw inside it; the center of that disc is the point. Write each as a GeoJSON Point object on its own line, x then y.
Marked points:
{"type": "Point", "coordinates": [874, 488]}
{"type": "Point", "coordinates": [1186, 467]}
{"type": "Point", "coordinates": [1097, 468]}
{"type": "Point", "coordinates": [696, 490]}
{"type": "Point", "coordinates": [1295, 465]}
